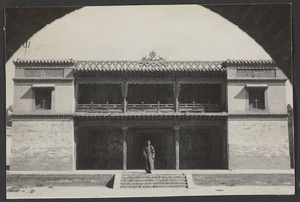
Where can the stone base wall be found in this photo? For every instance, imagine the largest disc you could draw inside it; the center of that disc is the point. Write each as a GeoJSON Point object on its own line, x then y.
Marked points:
{"type": "Point", "coordinates": [59, 180]}
{"type": "Point", "coordinates": [258, 144]}
{"type": "Point", "coordinates": [42, 145]}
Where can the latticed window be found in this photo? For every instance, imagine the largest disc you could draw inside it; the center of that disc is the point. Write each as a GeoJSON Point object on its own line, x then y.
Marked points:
{"type": "Point", "coordinates": [43, 98]}
{"type": "Point", "coordinates": [256, 98]}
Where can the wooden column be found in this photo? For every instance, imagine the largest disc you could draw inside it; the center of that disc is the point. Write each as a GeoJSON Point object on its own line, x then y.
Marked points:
{"type": "Point", "coordinates": [124, 95]}
{"type": "Point", "coordinates": [124, 129]}
{"type": "Point", "coordinates": [223, 96]}
{"type": "Point", "coordinates": [76, 96]}
{"type": "Point", "coordinates": [176, 95]}
{"type": "Point", "coordinates": [75, 148]}
{"type": "Point", "coordinates": [176, 128]}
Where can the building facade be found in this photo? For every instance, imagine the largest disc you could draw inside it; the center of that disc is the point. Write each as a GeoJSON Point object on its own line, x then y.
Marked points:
{"type": "Point", "coordinates": [81, 115]}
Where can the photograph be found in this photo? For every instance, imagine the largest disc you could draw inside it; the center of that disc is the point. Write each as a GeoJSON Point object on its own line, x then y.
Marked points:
{"type": "Point", "coordinates": [131, 101]}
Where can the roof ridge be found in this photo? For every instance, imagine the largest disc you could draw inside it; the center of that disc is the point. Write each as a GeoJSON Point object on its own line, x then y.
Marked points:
{"type": "Point", "coordinates": [18, 60]}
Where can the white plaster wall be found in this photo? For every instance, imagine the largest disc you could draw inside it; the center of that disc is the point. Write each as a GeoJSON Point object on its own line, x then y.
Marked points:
{"type": "Point", "coordinates": [238, 100]}
{"type": "Point", "coordinates": [62, 100]}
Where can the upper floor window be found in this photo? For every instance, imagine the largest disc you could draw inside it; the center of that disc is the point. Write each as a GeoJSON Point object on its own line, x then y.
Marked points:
{"type": "Point", "coordinates": [43, 99]}
{"type": "Point", "coordinates": [43, 96]}
{"type": "Point", "coordinates": [256, 96]}
{"type": "Point", "coordinates": [256, 99]}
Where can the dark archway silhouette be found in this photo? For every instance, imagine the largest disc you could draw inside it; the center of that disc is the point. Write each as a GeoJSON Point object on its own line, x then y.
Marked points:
{"type": "Point", "coordinates": [268, 24]}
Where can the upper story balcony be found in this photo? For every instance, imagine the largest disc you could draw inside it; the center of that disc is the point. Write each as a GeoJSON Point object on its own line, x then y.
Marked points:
{"type": "Point", "coordinates": [151, 85]}
{"type": "Point", "coordinates": [155, 98]}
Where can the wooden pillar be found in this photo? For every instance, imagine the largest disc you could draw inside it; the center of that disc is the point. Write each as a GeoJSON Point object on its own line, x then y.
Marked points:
{"type": "Point", "coordinates": [76, 96]}
{"type": "Point", "coordinates": [124, 105]}
{"type": "Point", "coordinates": [75, 148]}
{"type": "Point", "coordinates": [176, 95]}
{"type": "Point", "coordinates": [223, 96]}
{"type": "Point", "coordinates": [124, 95]}
{"type": "Point", "coordinates": [177, 134]}
{"type": "Point", "coordinates": [124, 129]}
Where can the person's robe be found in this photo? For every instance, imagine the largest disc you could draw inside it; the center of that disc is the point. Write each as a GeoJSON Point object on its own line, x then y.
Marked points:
{"type": "Point", "coordinates": [149, 154]}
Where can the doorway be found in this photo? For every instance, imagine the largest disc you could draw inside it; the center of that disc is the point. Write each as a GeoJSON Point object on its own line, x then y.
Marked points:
{"type": "Point", "coordinates": [158, 139]}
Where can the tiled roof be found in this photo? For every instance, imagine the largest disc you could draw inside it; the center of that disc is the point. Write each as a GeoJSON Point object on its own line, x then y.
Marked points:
{"type": "Point", "coordinates": [250, 63]}
{"type": "Point", "coordinates": [149, 66]}
{"type": "Point", "coordinates": [145, 65]}
{"type": "Point", "coordinates": [19, 63]}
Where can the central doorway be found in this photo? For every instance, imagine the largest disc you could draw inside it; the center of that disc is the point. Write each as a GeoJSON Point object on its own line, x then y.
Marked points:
{"type": "Point", "coordinates": [158, 139]}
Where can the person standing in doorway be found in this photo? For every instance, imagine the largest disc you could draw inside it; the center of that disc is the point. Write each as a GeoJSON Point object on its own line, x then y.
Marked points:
{"type": "Point", "coordinates": [149, 155]}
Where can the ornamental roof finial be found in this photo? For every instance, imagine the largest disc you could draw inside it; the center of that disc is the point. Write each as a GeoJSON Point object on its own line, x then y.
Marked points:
{"type": "Point", "coordinates": [153, 57]}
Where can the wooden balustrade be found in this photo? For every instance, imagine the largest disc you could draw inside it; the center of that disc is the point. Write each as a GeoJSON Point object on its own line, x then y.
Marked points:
{"type": "Point", "coordinates": [183, 107]}
{"type": "Point", "coordinates": [98, 107]}
{"type": "Point", "coordinates": [199, 107]}
{"type": "Point", "coordinates": [150, 107]}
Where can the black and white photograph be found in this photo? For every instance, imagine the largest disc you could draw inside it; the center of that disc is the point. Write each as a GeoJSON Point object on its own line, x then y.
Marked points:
{"type": "Point", "coordinates": [130, 101]}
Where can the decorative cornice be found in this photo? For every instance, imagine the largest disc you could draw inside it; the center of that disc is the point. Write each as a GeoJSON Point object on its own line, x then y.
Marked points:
{"type": "Point", "coordinates": [42, 116]}
{"type": "Point", "coordinates": [64, 80]}
{"type": "Point", "coordinates": [51, 64]}
{"type": "Point", "coordinates": [256, 80]}
{"type": "Point", "coordinates": [152, 74]}
{"type": "Point", "coordinates": [152, 117]}
{"type": "Point", "coordinates": [250, 64]}
{"type": "Point", "coordinates": [257, 116]}
{"type": "Point", "coordinates": [150, 63]}
{"type": "Point", "coordinates": [149, 66]}
{"type": "Point", "coordinates": [138, 80]}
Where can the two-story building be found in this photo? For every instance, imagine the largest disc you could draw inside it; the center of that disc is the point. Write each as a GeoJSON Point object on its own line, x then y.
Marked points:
{"type": "Point", "coordinates": [79, 115]}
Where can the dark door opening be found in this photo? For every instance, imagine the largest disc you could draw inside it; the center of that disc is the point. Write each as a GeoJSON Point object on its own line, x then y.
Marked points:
{"type": "Point", "coordinates": [99, 149]}
{"type": "Point", "coordinates": [202, 148]}
{"type": "Point", "coordinates": [158, 139]}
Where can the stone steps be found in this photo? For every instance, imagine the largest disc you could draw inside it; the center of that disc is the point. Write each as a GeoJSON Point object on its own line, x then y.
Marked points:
{"type": "Point", "coordinates": [155, 186]}
{"type": "Point", "coordinates": [153, 181]}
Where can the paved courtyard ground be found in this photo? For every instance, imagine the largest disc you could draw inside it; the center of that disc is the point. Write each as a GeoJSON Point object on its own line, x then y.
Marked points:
{"type": "Point", "coordinates": [212, 182]}
{"type": "Point", "coordinates": [101, 192]}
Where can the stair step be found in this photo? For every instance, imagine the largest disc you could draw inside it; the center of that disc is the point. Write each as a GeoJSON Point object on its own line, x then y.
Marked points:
{"type": "Point", "coordinates": [154, 179]}
{"type": "Point", "coordinates": [154, 186]}
{"type": "Point", "coordinates": [148, 182]}
{"type": "Point", "coordinates": [151, 176]}
{"type": "Point", "coordinates": [143, 180]}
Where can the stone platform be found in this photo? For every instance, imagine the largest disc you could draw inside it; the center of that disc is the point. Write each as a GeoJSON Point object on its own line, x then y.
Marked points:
{"type": "Point", "coordinates": [102, 184]}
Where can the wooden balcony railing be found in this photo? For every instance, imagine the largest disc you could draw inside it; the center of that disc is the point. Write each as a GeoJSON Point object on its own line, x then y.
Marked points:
{"type": "Point", "coordinates": [118, 108]}
{"type": "Point", "coordinates": [99, 107]}
{"type": "Point", "coordinates": [151, 107]}
{"type": "Point", "coordinates": [198, 107]}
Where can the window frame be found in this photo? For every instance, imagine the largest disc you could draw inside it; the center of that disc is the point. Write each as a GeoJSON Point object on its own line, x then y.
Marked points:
{"type": "Point", "coordinates": [259, 95]}
{"type": "Point", "coordinates": [45, 90]}
{"type": "Point", "coordinates": [259, 89]}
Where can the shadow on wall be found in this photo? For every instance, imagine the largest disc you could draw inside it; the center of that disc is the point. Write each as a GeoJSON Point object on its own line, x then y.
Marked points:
{"type": "Point", "coordinates": [28, 94]}
{"type": "Point", "coordinates": [241, 94]}
{"type": "Point", "coordinates": [110, 184]}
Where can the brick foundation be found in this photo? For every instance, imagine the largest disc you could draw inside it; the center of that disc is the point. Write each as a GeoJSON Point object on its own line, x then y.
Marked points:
{"type": "Point", "coordinates": [42, 145]}
{"type": "Point", "coordinates": [260, 144]}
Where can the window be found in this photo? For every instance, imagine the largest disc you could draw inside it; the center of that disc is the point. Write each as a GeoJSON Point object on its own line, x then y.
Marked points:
{"type": "Point", "coordinates": [43, 98]}
{"type": "Point", "coordinates": [257, 98]}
